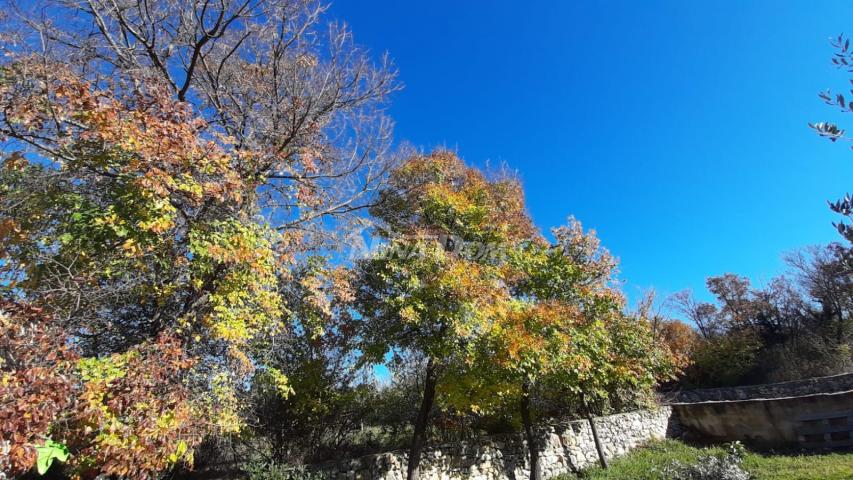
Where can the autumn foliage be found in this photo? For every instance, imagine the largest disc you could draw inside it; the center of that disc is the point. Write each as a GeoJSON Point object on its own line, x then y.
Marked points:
{"type": "Point", "coordinates": [129, 415]}
{"type": "Point", "coordinates": [467, 282]}
{"type": "Point", "coordinates": [36, 383]}
{"type": "Point", "coordinates": [173, 204]}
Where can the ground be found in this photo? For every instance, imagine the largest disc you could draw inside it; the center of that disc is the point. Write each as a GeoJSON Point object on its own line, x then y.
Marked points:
{"type": "Point", "coordinates": [646, 464]}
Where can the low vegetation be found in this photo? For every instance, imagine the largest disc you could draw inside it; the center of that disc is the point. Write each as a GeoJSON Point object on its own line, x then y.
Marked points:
{"type": "Point", "coordinates": [659, 461]}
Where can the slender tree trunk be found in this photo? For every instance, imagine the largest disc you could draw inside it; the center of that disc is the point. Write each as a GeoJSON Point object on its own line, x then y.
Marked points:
{"type": "Point", "coordinates": [601, 458]}
{"type": "Point", "coordinates": [532, 446]}
{"type": "Point", "coordinates": [278, 446]}
{"type": "Point", "coordinates": [419, 437]}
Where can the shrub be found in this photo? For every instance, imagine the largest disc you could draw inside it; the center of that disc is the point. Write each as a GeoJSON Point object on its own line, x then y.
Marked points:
{"type": "Point", "coordinates": [277, 471]}
{"type": "Point", "coordinates": [712, 467]}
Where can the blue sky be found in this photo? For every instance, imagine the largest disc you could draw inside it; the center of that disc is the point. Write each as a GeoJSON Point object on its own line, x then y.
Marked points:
{"type": "Point", "coordinates": [676, 129]}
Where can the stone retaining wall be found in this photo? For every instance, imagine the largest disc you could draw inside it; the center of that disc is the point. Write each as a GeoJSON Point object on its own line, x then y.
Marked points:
{"type": "Point", "coordinates": [772, 415]}
{"type": "Point", "coordinates": [565, 447]}
{"type": "Point", "coordinates": [765, 423]}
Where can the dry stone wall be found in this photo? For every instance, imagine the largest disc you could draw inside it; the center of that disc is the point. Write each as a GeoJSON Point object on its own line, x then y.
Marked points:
{"type": "Point", "coordinates": [566, 447]}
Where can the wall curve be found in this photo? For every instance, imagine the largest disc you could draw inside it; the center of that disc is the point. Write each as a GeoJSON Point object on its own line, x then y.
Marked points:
{"type": "Point", "coordinates": [564, 448]}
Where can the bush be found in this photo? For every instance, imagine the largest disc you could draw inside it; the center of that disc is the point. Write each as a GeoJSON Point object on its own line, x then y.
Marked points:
{"type": "Point", "coordinates": [276, 471]}
{"type": "Point", "coordinates": [725, 360]}
{"type": "Point", "coordinates": [712, 467]}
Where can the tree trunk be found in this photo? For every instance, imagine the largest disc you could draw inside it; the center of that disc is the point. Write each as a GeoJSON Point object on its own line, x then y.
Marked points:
{"type": "Point", "coordinates": [532, 447]}
{"type": "Point", "coordinates": [598, 448]}
{"type": "Point", "coordinates": [419, 437]}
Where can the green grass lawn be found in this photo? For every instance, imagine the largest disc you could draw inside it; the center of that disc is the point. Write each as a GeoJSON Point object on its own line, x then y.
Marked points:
{"type": "Point", "coordinates": [647, 463]}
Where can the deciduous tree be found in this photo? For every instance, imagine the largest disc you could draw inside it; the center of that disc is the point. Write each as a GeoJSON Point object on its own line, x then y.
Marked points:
{"type": "Point", "coordinates": [436, 285]}
{"type": "Point", "coordinates": [566, 329]}
{"type": "Point", "coordinates": [164, 164]}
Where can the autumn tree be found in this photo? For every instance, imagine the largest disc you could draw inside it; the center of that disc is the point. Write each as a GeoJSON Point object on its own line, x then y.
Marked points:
{"type": "Point", "coordinates": [164, 163]}
{"type": "Point", "coordinates": [563, 334]}
{"type": "Point", "coordinates": [328, 392]}
{"type": "Point", "coordinates": [436, 285]}
{"type": "Point", "coordinates": [135, 238]}
{"type": "Point", "coordinates": [678, 337]}
{"type": "Point", "coordinates": [797, 325]}
{"type": "Point", "coordinates": [675, 336]}
{"type": "Point", "coordinates": [731, 329]}
{"type": "Point", "coordinates": [565, 329]}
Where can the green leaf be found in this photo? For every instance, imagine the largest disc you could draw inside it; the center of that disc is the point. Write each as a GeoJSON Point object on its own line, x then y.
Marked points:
{"type": "Point", "coordinates": [49, 452]}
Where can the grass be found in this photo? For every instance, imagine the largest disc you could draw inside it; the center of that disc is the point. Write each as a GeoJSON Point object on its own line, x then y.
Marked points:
{"type": "Point", "coordinates": [648, 462]}
{"type": "Point", "coordinates": [835, 466]}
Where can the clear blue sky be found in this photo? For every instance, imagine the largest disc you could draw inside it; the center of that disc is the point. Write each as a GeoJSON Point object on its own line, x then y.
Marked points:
{"type": "Point", "coordinates": [677, 129]}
